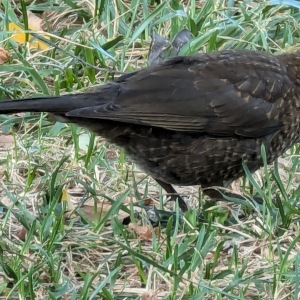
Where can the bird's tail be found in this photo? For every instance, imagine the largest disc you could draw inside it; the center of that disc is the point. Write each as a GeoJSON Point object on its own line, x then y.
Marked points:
{"type": "Point", "coordinates": [56, 105]}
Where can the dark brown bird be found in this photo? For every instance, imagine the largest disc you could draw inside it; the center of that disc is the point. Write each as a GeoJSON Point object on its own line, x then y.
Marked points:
{"type": "Point", "coordinates": [192, 120]}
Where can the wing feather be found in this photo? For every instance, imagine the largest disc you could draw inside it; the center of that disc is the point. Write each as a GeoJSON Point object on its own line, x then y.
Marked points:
{"type": "Point", "coordinates": [219, 94]}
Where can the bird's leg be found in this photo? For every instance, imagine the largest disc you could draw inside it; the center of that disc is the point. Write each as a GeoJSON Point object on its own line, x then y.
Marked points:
{"type": "Point", "coordinates": [173, 194]}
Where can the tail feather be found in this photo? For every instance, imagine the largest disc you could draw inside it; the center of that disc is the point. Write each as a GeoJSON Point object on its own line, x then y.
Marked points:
{"type": "Point", "coordinates": [56, 105]}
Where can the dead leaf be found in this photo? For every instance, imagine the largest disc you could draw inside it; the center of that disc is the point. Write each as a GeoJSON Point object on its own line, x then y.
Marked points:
{"type": "Point", "coordinates": [149, 295]}
{"type": "Point", "coordinates": [6, 141]}
{"type": "Point", "coordinates": [161, 48]}
{"type": "Point", "coordinates": [34, 22]}
{"type": "Point", "coordinates": [94, 214]}
{"type": "Point", "coordinates": [73, 196]}
{"type": "Point", "coordinates": [148, 202]}
{"type": "Point", "coordinates": [4, 56]}
{"type": "Point", "coordinates": [143, 232]}
{"type": "Point", "coordinates": [21, 234]}
{"type": "Point", "coordinates": [102, 209]}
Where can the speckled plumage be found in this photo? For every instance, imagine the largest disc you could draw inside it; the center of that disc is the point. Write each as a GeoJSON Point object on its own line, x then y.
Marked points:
{"type": "Point", "coordinates": [192, 120]}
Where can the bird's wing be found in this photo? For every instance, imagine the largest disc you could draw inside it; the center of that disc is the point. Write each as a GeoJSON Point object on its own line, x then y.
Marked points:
{"type": "Point", "coordinates": [225, 94]}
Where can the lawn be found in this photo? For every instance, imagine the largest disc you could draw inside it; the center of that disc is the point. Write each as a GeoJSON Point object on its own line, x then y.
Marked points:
{"type": "Point", "coordinates": [66, 196]}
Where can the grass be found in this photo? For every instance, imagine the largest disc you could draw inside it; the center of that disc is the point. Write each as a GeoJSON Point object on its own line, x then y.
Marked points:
{"type": "Point", "coordinates": [65, 193]}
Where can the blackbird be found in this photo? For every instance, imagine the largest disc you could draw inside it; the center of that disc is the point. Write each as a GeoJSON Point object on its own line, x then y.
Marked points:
{"type": "Point", "coordinates": [191, 120]}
